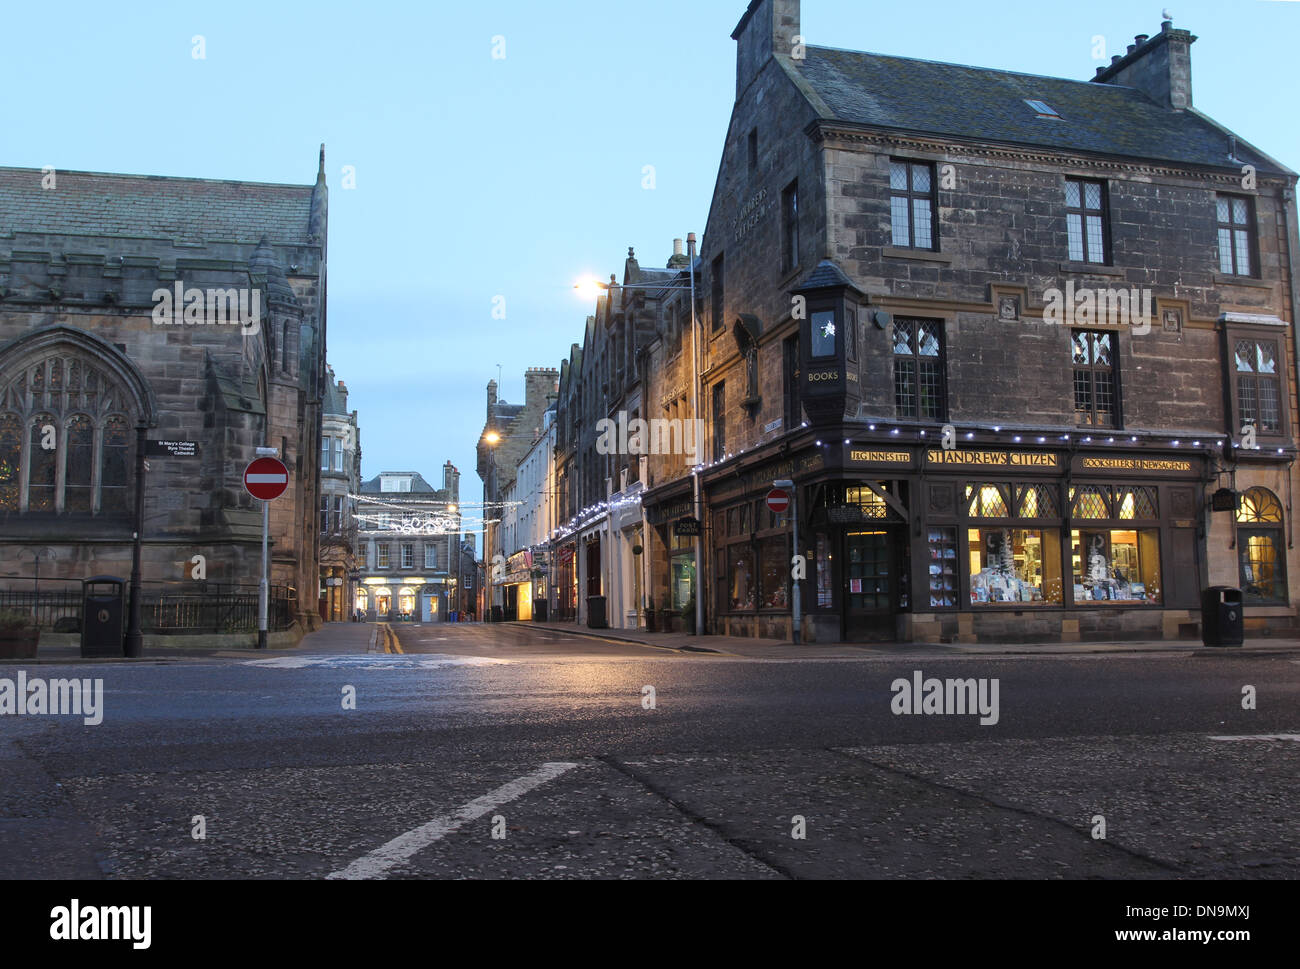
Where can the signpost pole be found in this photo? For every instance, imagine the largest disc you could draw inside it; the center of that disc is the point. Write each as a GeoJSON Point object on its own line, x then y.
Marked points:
{"type": "Point", "coordinates": [798, 599]}
{"type": "Point", "coordinates": [263, 589]}
{"type": "Point", "coordinates": [785, 497]}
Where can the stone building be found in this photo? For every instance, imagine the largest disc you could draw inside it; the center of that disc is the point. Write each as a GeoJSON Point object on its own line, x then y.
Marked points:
{"type": "Point", "coordinates": [600, 477]}
{"type": "Point", "coordinates": [1008, 334]}
{"type": "Point", "coordinates": [508, 435]}
{"type": "Point", "coordinates": [340, 472]}
{"type": "Point", "coordinates": [96, 364]}
{"type": "Point", "coordinates": [410, 547]}
{"type": "Point", "coordinates": [527, 521]}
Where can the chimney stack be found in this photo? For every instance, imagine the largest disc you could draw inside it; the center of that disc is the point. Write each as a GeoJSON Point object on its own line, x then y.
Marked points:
{"type": "Point", "coordinates": [1160, 67]}
{"type": "Point", "coordinates": [768, 28]}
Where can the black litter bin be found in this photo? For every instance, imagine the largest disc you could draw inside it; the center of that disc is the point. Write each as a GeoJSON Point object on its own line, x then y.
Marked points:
{"type": "Point", "coordinates": [1222, 621]}
{"type": "Point", "coordinates": [596, 616]}
{"type": "Point", "coordinates": [103, 614]}
{"type": "Point", "coordinates": [540, 608]}
{"type": "Point", "coordinates": [497, 614]}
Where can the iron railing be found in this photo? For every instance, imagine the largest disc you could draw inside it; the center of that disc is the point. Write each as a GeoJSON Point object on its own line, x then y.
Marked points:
{"type": "Point", "coordinates": [164, 609]}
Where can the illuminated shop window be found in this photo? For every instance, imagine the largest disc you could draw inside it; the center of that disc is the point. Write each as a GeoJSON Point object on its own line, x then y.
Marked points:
{"type": "Point", "coordinates": [1116, 565]}
{"type": "Point", "coordinates": [1014, 565]}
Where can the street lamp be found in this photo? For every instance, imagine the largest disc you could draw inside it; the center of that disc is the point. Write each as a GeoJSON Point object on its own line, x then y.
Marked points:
{"type": "Point", "coordinates": [788, 486]}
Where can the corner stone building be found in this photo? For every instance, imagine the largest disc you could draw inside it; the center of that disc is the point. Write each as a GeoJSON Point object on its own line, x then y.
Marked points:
{"type": "Point", "coordinates": [81, 256]}
{"type": "Point", "coordinates": [888, 251]}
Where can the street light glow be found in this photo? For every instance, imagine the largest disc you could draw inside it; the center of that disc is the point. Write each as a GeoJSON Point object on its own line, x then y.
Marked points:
{"type": "Point", "coordinates": [589, 288]}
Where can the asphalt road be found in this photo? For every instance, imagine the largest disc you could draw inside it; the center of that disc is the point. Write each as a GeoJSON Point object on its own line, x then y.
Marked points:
{"type": "Point", "coordinates": [506, 752]}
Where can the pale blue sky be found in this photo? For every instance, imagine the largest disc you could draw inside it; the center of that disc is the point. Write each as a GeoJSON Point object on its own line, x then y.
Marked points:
{"type": "Point", "coordinates": [477, 177]}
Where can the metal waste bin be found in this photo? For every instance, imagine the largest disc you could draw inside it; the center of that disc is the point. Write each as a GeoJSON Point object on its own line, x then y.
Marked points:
{"type": "Point", "coordinates": [103, 614]}
{"type": "Point", "coordinates": [1222, 619]}
{"type": "Point", "coordinates": [540, 609]}
{"type": "Point", "coordinates": [596, 615]}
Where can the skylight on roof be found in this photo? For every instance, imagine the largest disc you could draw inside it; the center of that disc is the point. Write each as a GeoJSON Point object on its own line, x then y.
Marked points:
{"type": "Point", "coordinates": [1043, 109]}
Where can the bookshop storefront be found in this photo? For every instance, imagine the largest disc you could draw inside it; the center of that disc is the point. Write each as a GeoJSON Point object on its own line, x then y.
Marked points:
{"type": "Point", "coordinates": [917, 544]}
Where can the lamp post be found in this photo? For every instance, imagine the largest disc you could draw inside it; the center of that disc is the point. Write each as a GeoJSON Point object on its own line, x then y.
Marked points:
{"type": "Point", "coordinates": [492, 438]}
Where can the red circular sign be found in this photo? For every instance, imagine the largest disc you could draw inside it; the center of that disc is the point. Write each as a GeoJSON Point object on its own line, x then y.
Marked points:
{"type": "Point", "coordinates": [778, 501]}
{"type": "Point", "coordinates": [266, 479]}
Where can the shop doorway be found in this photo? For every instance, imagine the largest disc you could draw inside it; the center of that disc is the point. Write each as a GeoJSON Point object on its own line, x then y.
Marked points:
{"type": "Point", "coordinates": [874, 585]}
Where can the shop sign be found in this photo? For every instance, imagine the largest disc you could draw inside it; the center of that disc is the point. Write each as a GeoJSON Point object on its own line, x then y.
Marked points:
{"type": "Point", "coordinates": [1177, 465]}
{"type": "Point", "coordinates": [997, 459]}
{"type": "Point", "coordinates": [857, 456]}
{"type": "Point", "coordinates": [687, 528]}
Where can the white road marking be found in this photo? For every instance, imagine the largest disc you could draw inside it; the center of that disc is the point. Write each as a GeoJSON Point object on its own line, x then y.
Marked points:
{"type": "Point", "coordinates": [404, 847]}
{"type": "Point", "coordinates": [1264, 736]}
{"type": "Point", "coordinates": [373, 662]}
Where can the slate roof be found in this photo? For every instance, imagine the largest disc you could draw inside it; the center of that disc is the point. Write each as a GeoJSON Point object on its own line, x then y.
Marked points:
{"type": "Point", "coordinates": [333, 403]}
{"type": "Point", "coordinates": [418, 486]}
{"type": "Point", "coordinates": [153, 207]}
{"type": "Point", "coordinates": [826, 275]}
{"type": "Point", "coordinates": [989, 106]}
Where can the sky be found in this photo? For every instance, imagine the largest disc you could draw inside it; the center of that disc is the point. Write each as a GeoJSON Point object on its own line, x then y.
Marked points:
{"type": "Point", "coordinates": [478, 177]}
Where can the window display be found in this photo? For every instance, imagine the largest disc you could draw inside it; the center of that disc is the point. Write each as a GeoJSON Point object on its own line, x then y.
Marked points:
{"type": "Point", "coordinates": [1014, 565]}
{"type": "Point", "coordinates": [775, 562]}
{"type": "Point", "coordinates": [943, 568]}
{"type": "Point", "coordinates": [1116, 566]}
{"type": "Point", "coordinates": [740, 578]}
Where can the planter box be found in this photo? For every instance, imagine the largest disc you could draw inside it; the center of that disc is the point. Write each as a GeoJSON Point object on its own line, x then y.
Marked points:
{"type": "Point", "coordinates": [19, 643]}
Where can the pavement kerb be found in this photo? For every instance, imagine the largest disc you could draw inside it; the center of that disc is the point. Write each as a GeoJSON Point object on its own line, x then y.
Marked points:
{"type": "Point", "coordinates": [1044, 649]}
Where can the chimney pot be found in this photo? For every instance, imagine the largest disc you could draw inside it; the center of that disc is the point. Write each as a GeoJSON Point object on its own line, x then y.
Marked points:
{"type": "Point", "coordinates": [677, 247]}
{"type": "Point", "coordinates": [1141, 39]}
{"type": "Point", "coordinates": [1115, 59]}
{"type": "Point", "coordinates": [1132, 48]}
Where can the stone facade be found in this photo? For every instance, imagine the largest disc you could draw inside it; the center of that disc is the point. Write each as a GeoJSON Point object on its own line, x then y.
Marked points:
{"type": "Point", "coordinates": [84, 350]}
{"type": "Point", "coordinates": [814, 311]}
{"type": "Point", "coordinates": [340, 469]}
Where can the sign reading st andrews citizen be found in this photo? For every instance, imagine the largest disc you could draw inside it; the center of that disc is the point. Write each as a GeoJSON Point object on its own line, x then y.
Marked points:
{"type": "Point", "coordinates": [1000, 459]}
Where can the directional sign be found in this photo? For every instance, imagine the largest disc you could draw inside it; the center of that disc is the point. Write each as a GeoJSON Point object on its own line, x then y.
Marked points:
{"type": "Point", "coordinates": [171, 449]}
{"type": "Point", "coordinates": [778, 501]}
{"type": "Point", "coordinates": [266, 479]}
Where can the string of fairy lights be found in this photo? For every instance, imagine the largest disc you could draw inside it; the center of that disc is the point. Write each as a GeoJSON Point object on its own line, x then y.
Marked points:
{"type": "Point", "coordinates": [927, 435]}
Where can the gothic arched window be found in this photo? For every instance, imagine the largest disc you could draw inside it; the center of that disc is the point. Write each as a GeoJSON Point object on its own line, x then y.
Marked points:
{"type": "Point", "coordinates": [65, 438]}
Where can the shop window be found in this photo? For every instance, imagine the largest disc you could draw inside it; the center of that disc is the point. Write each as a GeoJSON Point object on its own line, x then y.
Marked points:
{"type": "Point", "coordinates": [1117, 565]}
{"type": "Point", "coordinates": [1258, 390]}
{"type": "Point", "coordinates": [823, 573]}
{"type": "Point", "coordinates": [363, 600]}
{"type": "Point", "coordinates": [871, 504]}
{"type": "Point", "coordinates": [1261, 548]}
{"type": "Point", "coordinates": [943, 568]}
{"type": "Point", "coordinates": [1136, 504]}
{"type": "Point", "coordinates": [774, 563]}
{"type": "Point", "coordinates": [1090, 503]}
{"type": "Point", "coordinates": [918, 369]}
{"type": "Point", "coordinates": [1036, 501]}
{"type": "Point", "coordinates": [987, 501]}
{"type": "Point", "coordinates": [740, 578]}
{"type": "Point", "coordinates": [1014, 565]}
{"type": "Point", "coordinates": [823, 333]}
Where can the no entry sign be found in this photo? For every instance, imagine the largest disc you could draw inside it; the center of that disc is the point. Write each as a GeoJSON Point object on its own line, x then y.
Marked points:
{"type": "Point", "coordinates": [266, 479]}
{"type": "Point", "coordinates": [778, 501]}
